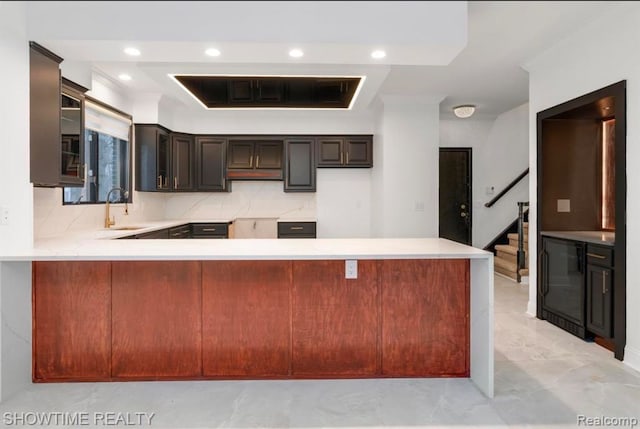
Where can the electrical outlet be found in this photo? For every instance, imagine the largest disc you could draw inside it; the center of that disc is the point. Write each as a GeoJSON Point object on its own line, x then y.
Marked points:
{"type": "Point", "coordinates": [4, 216]}
{"type": "Point", "coordinates": [351, 269]}
{"type": "Point", "coordinates": [419, 206]}
{"type": "Point", "coordinates": [564, 206]}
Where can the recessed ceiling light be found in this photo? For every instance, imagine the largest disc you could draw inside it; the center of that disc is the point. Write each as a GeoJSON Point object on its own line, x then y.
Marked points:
{"type": "Point", "coordinates": [296, 53]}
{"type": "Point", "coordinates": [378, 54]}
{"type": "Point", "coordinates": [212, 52]}
{"type": "Point", "coordinates": [124, 76]}
{"type": "Point", "coordinates": [134, 52]}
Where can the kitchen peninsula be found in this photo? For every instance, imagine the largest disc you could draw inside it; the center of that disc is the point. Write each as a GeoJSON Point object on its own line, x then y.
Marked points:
{"type": "Point", "coordinates": [113, 310]}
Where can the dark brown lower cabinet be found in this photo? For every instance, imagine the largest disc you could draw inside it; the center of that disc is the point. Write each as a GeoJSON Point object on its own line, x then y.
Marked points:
{"type": "Point", "coordinates": [599, 300]}
{"type": "Point", "coordinates": [157, 327]}
{"type": "Point", "coordinates": [245, 317]}
{"type": "Point", "coordinates": [72, 321]}
{"type": "Point", "coordinates": [335, 320]}
{"type": "Point", "coordinates": [425, 317]}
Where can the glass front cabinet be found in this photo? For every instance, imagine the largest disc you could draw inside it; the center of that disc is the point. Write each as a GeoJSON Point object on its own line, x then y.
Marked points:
{"type": "Point", "coordinates": [72, 169]}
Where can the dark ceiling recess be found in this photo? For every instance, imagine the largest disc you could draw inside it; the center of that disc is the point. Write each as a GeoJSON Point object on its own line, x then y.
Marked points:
{"type": "Point", "coordinates": [261, 91]}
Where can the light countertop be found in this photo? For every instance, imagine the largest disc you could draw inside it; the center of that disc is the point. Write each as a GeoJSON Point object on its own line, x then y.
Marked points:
{"type": "Point", "coordinates": [103, 244]}
{"type": "Point", "coordinates": [604, 238]}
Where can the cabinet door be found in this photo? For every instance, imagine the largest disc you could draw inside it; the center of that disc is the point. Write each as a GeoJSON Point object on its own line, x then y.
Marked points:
{"type": "Point", "coordinates": [268, 155]}
{"type": "Point", "coordinates": [335, 320]}
{"type": "Point", "coordinates": [358, 152]}
{"type": "Point", "coordinates": [163, 166]}
{"type": "Point", "coordinates": [330, 152]}
{"type": "Point", "coordinates": [152, 158]}
{"type": "Point", "coordinates": [300, 165]}
{"type": "Point", "coordinates": [157, 329]}
{"type": "Point", "coordinates": [269, 91]}
{"type": "Point", "coordinates": [44, 93]}
{"type": "Point", "coordinates": [182, 162]}
{"type": "Point", "coordinates": [211, 159]}
{"type": "Point", "coordinates": [72, 320]}
{"type": "Point", "coordinates": [425, 317]}
{"type": "Point", "coordinates": [240, 91]}
{"type": "Point", "coordinates": [599, 300]}
{"type": "Point", "coordinates": [246, 317]}
{"type": "Point", "coordinates": [72, 137]}
{"type": "Point", "coordinates": [240, 155]}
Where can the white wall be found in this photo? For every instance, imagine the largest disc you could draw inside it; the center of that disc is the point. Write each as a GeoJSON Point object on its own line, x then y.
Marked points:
{"type": "Point", "coordinates": [601, 53]}
{"type": "Point", "coordinates": [405, 184]}
{"type": "Point", "coordinates": [16, 189]}
{"type": "Point", "coordinates": [344, 202]}
{"type": "Point", "coordinates": [16, 196]}
{"type": "Point", "coordinates": [500, 152]}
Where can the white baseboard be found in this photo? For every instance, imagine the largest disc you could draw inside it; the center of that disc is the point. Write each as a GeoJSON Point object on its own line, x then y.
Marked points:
{"type": "Point", "coordinates": [632, 357]}
{"type": "Point", "coordinates": [531, 308]}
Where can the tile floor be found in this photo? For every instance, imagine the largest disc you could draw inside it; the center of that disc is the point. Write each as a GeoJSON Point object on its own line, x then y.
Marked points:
{"type": "Point", "coordinates": [544, 378]}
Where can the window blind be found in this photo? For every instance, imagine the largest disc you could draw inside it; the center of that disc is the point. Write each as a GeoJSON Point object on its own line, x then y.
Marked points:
{"type": "Point", "coordinates": [105, 121]}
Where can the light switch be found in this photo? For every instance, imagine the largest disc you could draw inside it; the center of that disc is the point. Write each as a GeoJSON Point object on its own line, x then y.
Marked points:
{"type": "Point", "coordinates": [564, 206]}
{"type": "Point", "coordinates": [351, 269]}
{"type": "Point", "coordinates": [4, 216]}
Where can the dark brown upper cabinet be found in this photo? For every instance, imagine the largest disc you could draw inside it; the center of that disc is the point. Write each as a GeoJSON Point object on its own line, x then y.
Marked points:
{"type": "Point", "coordinates": [251, 159]}
{"type": "Point", "coordinates": [211, 159]}
{"type": "Point", "coordinates": [72, 168]}
{"type": "Point", "coordinates": [152, 158]}
{"type": "Point", "coordinates": [165, 161]}
{"type": "Point", "coordinates": [345, 151]}
{"type": "Point", "coordinates": [182, 162]}
{"type": "Point", "coordinates": [271, 91]}
{"type": "Point", "coordinates": [45, 104]}
{"type": "Point", "coordinates": [300, 165]}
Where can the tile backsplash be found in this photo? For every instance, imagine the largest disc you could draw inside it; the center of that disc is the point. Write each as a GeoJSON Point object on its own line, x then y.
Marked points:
{"type": "Point", "coordinates": [247, 199]}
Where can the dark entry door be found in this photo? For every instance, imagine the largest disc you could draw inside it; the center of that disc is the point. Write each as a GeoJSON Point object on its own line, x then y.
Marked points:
{"type": "Point", "coordinates": [455, 194]}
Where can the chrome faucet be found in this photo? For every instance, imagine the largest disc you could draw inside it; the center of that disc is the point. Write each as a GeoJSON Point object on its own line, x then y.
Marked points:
{"type": "Point", "coordinates": [108, 222]}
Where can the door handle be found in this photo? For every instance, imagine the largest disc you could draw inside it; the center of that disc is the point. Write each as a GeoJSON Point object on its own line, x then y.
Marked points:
{"type": "Point", "coordinates": [595, 255]}
{"type": "Point", "coordinates": [258, 161]}
{"type": "Point", "coordinates": [604, 281]}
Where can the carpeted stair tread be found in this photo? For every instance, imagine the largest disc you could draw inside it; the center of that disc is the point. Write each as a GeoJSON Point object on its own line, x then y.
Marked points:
{"type": "Point", "coordinates": [507, 273]}
{"type": "Point", "coordinates": [512, 250]}
{"type": "Point", "coordinates": [507, 265]}
{"type": "Point", "coordinates": [514, 236]}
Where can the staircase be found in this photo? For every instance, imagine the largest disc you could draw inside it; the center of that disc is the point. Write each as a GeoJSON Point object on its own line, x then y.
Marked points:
{"type": "Point", "coordinates": [506, 260]}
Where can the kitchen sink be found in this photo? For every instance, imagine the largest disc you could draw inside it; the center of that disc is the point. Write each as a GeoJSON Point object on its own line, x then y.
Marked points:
{"type": "Point", "coordinates": [126, 228]}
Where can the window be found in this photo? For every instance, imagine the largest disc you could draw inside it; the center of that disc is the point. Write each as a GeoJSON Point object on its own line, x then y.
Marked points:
{"type": "Point", "coordinates": [107, 157]}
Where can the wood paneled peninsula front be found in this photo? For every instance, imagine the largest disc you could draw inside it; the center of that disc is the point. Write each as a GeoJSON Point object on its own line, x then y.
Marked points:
{"type": "Point", "coordinates": [115, 310]}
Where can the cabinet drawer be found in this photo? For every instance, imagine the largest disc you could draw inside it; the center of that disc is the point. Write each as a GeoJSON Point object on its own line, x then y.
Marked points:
{"type": "Point", "coordinates": [296, 230]}
{"type": "Point", "coordinates": [210, 230]}
{"type": "Point", "coordinates": [183, 231]}
{"type": "Point", "coordinates": [600, 255]}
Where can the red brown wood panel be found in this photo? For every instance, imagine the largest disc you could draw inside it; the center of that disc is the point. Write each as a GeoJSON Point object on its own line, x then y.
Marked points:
{"type": "Point", "coordinates": [246, 318]}
{"type": "Point", "coordinates": [335, 320]}
{"type": "Point", "coordinates": [71, 320]}
{"type": "Point", "coordinates": [157, 329]}
{"type": "Point", "coordinates": [425, 317]}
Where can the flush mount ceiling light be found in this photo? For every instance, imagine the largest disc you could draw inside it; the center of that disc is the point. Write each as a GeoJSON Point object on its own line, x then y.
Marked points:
{"type": "Point", "coordinates": [378, 54]}
{"type": "Point", "coordinates": [212, 52]}
{"type": "Point", "coordinates": [124, 77]}
{"type": "Point", "coordinates": [296, 53]}
{"type": "Point", "coordinates": [464, 111]}
{"type": "Point", "coordinates": [134, 52]}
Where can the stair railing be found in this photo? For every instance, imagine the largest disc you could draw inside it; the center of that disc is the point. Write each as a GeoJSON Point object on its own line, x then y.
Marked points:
{"type": "Point", "coordinates": [507, 188]}
{"type": "Point", "coordinates": [521, 255]}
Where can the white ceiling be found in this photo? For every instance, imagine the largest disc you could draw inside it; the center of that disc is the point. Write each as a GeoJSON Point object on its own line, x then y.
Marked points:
{"type": "Point", "coordinates": [466, 53]}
